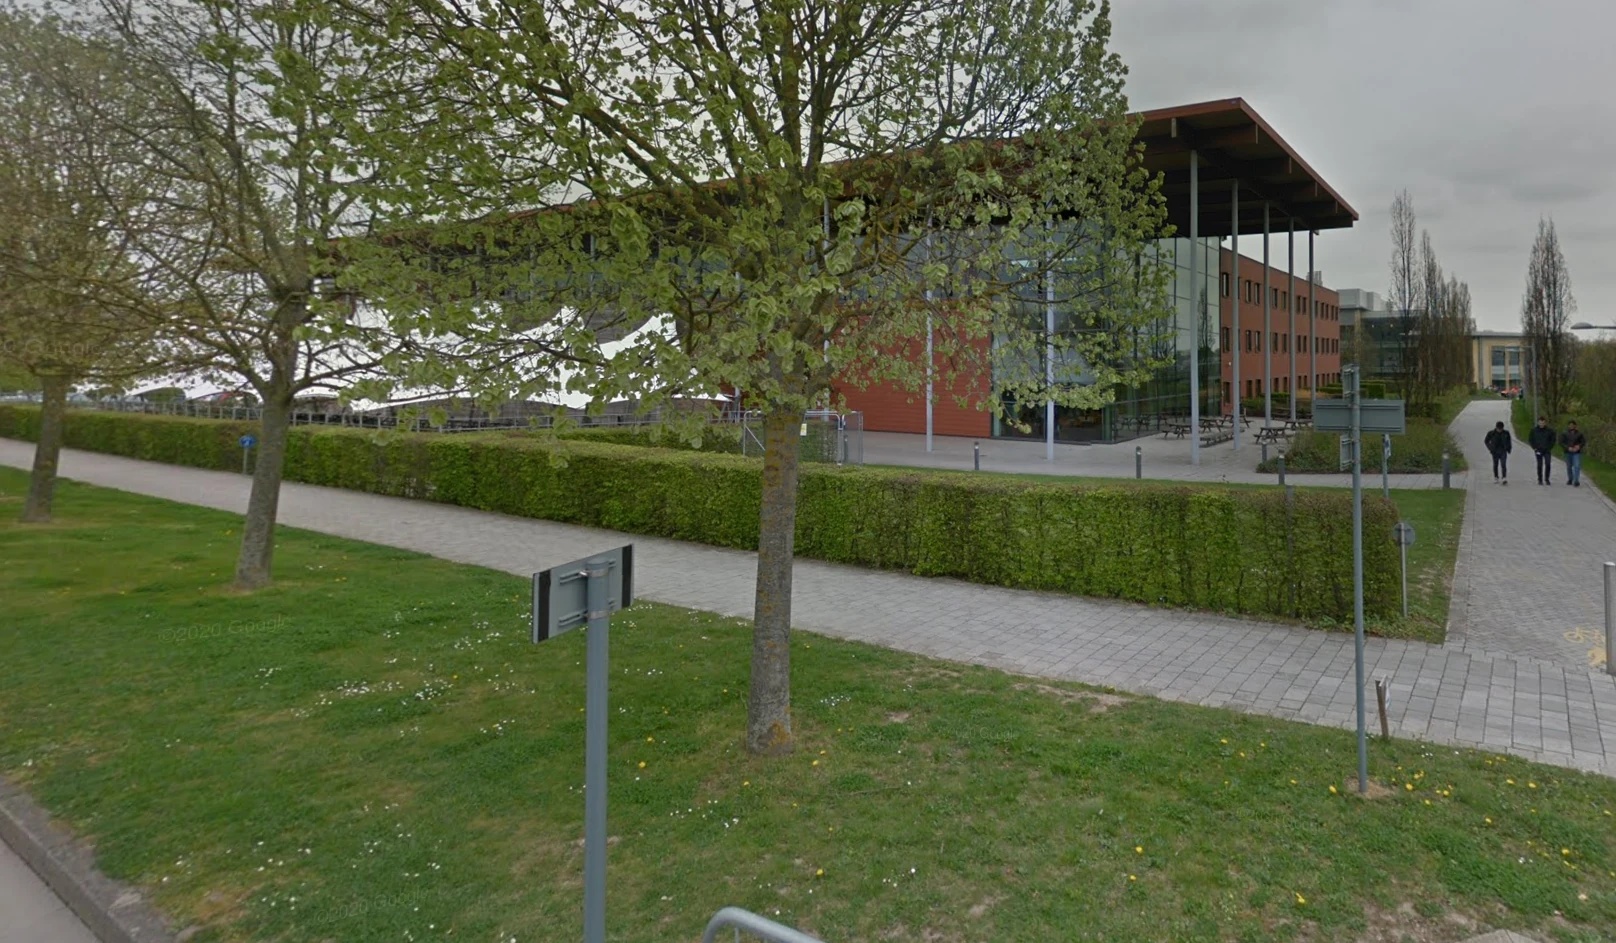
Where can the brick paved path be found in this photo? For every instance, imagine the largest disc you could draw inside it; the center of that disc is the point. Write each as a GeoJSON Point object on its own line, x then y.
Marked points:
{"type": "Point", "coordinates": [1556, 713]}
{"type": "Point", "coordinates": [1528, 580]}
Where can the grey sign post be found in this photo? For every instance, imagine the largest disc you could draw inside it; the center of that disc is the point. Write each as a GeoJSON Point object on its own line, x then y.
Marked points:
{"type": "Point", "coordinates": [1354, 415]}
{"type": "Point", "coordinates": [585, 592]}
{"type": "Point", "coordinates": [1403, 534]}
{"type": "Point", "coordinates": [1385, 466]}
{"type": "Point", "coordinates": [247, 442]}
{"type": "Point", "coordinates": [1610, 618]}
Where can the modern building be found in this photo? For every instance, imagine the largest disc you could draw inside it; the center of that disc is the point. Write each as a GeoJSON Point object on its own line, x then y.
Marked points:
{"type": "Point", "coordinates": [1293, 343]}
{"type": "Point", "coordinates": [1372, 336]}
{"type": "Point", "coordinates": [1226, 173]}
{"type": "Point", "coordinates": [1498, 360]}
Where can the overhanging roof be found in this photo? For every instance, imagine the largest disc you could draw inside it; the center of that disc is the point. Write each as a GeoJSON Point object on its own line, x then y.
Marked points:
{"type": "Point", "coordinates": [1233, 142]}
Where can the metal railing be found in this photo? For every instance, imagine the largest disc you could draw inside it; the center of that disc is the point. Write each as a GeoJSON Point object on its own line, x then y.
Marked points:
{"type": "Point", "coordinates": [761, 927]}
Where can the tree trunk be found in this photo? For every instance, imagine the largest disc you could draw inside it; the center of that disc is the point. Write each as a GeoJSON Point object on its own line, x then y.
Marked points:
{"type": "Point", "coordinates": [768, 717]}
{"type": "Point", "coordinates": [47, 451]}
{"type": "Point", "coordinates": [258, 534]}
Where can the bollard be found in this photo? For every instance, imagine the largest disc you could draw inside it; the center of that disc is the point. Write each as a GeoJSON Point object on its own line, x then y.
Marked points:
{"type": "Point", "coordinates": [976, 454]}
{"type": "Point", "coordinates": [1446, 469]}
{"type": "Point", "coordinates": [1381, 687]}
{"type": "Point", "coordinates": [1265, 451]}
{"type": "Point", "coordinates": [1282, 470]}
{"type": "Point", "coordinates": [1610, 618]}
{"type": "Point", "coordinates": [1138, 462]}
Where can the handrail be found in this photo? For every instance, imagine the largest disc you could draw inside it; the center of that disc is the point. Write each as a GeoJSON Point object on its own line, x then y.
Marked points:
{"type": "Point", "coordinates": [754, 924]}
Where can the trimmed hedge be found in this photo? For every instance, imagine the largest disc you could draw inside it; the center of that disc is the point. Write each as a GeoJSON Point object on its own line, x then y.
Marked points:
{"type": "Point", "coordinates": [1416, 452]}
{"type": "Point", "coordinates": [1225, 549]}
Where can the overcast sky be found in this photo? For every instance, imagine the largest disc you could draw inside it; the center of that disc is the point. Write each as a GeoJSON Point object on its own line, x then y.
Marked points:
{"type": "Point", "coordinates": [1491, 113]}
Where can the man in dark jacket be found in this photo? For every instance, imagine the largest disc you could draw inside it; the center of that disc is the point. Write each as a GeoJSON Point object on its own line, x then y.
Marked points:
{"type": "Point", "coordinates": [1500, 442]}
{"type": "Point", "coordinates": [1572, 440]}
{"type": "Point", "coordinates": [1541, 439]}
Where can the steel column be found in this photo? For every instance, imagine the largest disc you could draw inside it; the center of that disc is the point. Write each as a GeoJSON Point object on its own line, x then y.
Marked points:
{"type": "Point", "coordinates": [1049, 357]}
{"type": "Point", "coordinates": [1312, 322]}
{"type": "Point", "coordinates": [928, 370]}
{"type": "Point", "coordinates": [1290, 314]}
{"type": "Point", "coordinates": [1195, 306]}
{"type": "Point", "coordinates": [1267, 329]}
{"type": "Point", "coordinates": [1235, 340]}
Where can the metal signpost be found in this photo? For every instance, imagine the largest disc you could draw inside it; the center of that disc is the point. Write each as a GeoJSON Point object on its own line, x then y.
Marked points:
{"type": "Point", "coordinates": [1610, 618]}
{"type": "Point", "coordinates": [1354, 416]}
{"type": "Point", "coordinates": [586, 592]}
{"type": "Point", "coordinates": [247, 442]}
{"type": "Point", "coordinates": [1403, 535]}
{"type": "Point", "coordinates": [1385, 463]}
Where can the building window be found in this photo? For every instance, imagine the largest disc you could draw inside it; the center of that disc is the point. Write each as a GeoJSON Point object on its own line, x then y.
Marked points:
{"type": "Point", "coordinates": [1223, 284]}
{"type": "Point", "coordinates": [1225, 391]}
{"type": "Point", "coordinates": [1225, 339]}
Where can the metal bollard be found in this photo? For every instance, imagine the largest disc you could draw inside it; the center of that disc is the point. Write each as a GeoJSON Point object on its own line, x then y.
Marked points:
{"type": "Point", "coordinates": [1610, 618]}
{"type": "Point", "coordinates": [976, 453]}
{"type": "Point", "coordinates": [1282, 470]}
{"type": "Point", "coordinates": [1138, 462]}
{"type": "Point", "coordinates": [1447, 468]}
{"type": "Point", "coordinates": [1265, 451]}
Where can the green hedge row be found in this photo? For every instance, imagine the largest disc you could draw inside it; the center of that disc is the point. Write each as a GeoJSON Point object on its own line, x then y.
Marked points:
{"type": "Point", "coordinates": [1236, 550]}
{"type": "Point", "coordinates": [1417, 452]}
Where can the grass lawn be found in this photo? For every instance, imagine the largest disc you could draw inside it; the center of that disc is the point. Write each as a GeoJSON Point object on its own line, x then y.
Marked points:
{"type": "Point", "coordinates": [1437, 517]}
{"type": "Point", "coordinates": [371, 750]}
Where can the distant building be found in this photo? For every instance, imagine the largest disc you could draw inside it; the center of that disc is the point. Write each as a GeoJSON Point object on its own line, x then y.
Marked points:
{"type": "Point", "coordinates": [1372, 336]}
{"type": "Point", "coordinates": [1497, 360]}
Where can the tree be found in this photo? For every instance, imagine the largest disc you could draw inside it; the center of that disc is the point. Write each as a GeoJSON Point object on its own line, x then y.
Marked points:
{"type": "Point", "coordinates": [65, 275]}
{"type": "Point", "coordinates": [773, 198]}
{"type": "Point", "coordinates": [1546, 311]}
{"type": "Point", "coordinates": [243, 140]}
{"type": "Point", "coordinates": [1405, 295]}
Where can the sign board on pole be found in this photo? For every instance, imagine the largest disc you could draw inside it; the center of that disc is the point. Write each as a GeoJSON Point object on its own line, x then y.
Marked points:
{"type": "Point", "coordinates": [561, 593]}
{"type": "Point", "coordinates": [248, 441]}
{"type": "Point", "coordinates": [1386, 446]}
{"type": "Point", "coordinates": [1375, 415]}
{"type": "Point", "coordinates": [1403, 534]}
{"type": "Point", "coordinates": [1346, 451]}
{"type": "Point", "coordinates": [586, 592]}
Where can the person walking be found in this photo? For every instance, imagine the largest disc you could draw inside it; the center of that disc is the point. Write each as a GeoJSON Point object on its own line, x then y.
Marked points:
{"type": "Point", "coordinates": [1541, 439]}
{"type": "Point", "coordinates": [1499, 442]}
{"type": "Point", "coordinates": [1572, 440]}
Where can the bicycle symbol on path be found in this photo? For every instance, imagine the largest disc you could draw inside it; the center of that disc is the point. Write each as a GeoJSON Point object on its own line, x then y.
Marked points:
{"type": "Point", "coordinates": [1594, 637]}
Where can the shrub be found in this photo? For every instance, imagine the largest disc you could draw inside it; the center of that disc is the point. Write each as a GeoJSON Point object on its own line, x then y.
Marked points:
{"type": "Point", "coordinates": [1249, 551]}
{"type": "Point", "coordinates": [1418, 451]}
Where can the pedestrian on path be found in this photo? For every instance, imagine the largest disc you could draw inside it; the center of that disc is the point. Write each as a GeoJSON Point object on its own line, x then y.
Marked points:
{"type": "Point", "coordinates": [1541, 439]}
{"type": "Point", "coordinates": [1572, 440]}
{"type": "Point", "coordinates": [1499, 442]}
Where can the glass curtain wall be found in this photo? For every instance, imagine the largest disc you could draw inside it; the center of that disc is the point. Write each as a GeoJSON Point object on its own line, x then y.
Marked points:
{"type": "Point", "coordinates": [1138, 410]}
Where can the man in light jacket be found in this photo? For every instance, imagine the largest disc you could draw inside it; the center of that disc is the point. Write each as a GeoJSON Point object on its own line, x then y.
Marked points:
{"type": "Point", "coordinates": [1572, 440]}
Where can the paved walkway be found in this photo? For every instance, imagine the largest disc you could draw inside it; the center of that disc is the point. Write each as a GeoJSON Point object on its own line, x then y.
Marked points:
{"type": "Point", "coordinates": [30, 912]}
{"type": "Point", "coordinates": [1163, 459]}
{"type": "Point", "coordinates": [1529, 578]}
{"type": "Point", "coordinates": [1556, 713]}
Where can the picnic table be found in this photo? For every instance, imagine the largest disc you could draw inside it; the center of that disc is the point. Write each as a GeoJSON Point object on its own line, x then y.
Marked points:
{"type": "Point", "coordinates": [1176, 427]}
{"type": "Point", "coordinates": [1271, 434]}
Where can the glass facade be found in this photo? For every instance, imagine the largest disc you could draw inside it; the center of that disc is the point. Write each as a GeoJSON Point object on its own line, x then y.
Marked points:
{"type": "Point", "coordinates": [1137, 410]}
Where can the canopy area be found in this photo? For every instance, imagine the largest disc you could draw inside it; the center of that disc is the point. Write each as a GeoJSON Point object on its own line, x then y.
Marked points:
{"type": "Point", "coordinates": [1233, 143]}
